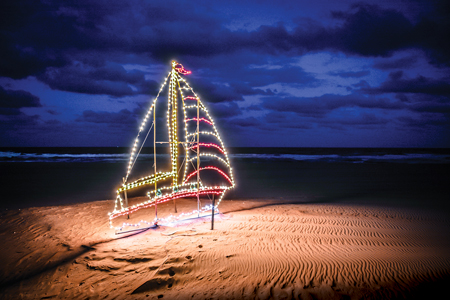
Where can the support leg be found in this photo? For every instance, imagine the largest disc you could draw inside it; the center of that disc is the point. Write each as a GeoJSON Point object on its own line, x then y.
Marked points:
{"type": "Point", "coordinates": [213, 210]}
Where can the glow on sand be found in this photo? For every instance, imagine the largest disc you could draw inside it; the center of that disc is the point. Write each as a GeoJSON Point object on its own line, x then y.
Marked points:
{"type": "Point", "coordinates": [190, 184]}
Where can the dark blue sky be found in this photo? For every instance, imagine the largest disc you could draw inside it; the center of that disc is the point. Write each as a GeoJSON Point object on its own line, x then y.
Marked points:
{"type": "Point", "coordinates": [273, 73]}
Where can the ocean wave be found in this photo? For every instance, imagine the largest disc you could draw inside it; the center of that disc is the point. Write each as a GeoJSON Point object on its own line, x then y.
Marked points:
{"type": "Point", "coordinates": [356, 158]}
{"type": "Point", "coordinates": [9, 156]}
{"type": "Point", "coordinates": [12, 156]}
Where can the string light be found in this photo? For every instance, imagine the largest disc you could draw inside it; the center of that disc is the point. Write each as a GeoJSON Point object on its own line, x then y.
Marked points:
{"type": "Point", "coordinates": [180, 69]}
{"type": "Point", "coordinates": [190, 98]}
{"type": "Point", "coordinates": [204, 132]}
{"type": "Point", "coordinates": [200, 119]}
{"type": "Point", "coordinates": [210, 168]}
{"type": "Point", "coordinates": [208, 145]}
{"type": "Point", "coordinates": [191, 106]}
{"type": "Point", "coordinates": [185, 189]}
{"type": "Point", "coordinates": [185, 193]}
{"type": "Point", "coordinates": [169, 219]}
{"type": "Point", "coordinates": [211, 155]}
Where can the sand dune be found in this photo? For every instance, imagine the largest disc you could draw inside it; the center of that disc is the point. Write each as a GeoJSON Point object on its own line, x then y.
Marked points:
{"type": "Point", "coordinates": [258, 250]}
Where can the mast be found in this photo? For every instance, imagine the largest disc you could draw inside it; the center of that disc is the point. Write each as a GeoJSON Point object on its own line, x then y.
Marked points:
{"type": "Point", "coordinates": [173, 131]}
{"type": "Point", "coordinates": [154, 158]}
{"type": "Point", "coordinates": [162, 190]}
{"type": "Point", "coordinates": [198, 157]}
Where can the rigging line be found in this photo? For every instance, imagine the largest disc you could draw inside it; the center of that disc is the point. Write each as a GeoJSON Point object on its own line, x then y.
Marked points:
{"type": "Point", "coordinates": [216, 157]}
{"type": "Point", "coordinates": [192, 90]}
{"type": "Point", "coordinates": [185, 127]}
{"type": "Point", "coordinates": [193, 165]}
{"type": "Point", "coordinates": [187, 153]}
{"type": "Point", "coordinates": [192, 141]}
{"type": "Point", "coordinates": [203, 132]}
{"type": "Point", "coordinates": [179, 169]}
{"type": "Point", "coordinates": [153, 103]}
{"type": "Point", "coordinates": [195, 168]}
{"type": "Point", "coordinates": [184, 159]}
{"type": "Point", "coordinates": [142, 146]}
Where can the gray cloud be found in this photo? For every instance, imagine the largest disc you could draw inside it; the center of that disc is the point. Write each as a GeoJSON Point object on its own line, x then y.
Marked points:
{"type": "Point", "coordinates": [111, 79]}
{"type": "Point", "coordinates": [423, 85]}
{"type": "Point", "coordinates": [124, 116]}
{"type": "Point", "coordinates": [319, 106]}
{"type": "Point", "coordinates": [12, 101]}
{"type": "Point", "coordinates": [350, 74]}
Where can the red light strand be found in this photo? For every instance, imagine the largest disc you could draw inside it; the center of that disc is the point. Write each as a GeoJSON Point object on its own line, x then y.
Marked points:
{"type": "Point", "coordinates": [207, 145]}
{"type": "Point", "coordinates": [190, 98]}
{"type": "Point", "coordinates": [183, 194]}
{"type": "Point", "coordinates": [201, 119]}
{"type": "Point", "coordinates": [209, 168]}
{"type": "Point", "coordinates": [180, 69]}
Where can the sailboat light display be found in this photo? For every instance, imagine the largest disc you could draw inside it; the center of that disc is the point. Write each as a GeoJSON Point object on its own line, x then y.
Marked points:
{"type": "Point", "coordinates": [199, 164]}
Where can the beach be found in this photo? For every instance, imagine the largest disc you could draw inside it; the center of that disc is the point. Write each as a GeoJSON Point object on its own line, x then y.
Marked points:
{"type": "Point", "coordinates": [301, 224]}
{"type": "Point", "coordinates": [257, 250]}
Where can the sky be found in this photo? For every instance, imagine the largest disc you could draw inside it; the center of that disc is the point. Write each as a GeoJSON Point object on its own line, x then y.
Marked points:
{"type": "Point", "coordinates": [272, 73]}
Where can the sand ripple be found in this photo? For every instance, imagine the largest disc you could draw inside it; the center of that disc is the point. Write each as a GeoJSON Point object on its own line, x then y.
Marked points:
{"type": "Point", "coordinates": [256, 251]}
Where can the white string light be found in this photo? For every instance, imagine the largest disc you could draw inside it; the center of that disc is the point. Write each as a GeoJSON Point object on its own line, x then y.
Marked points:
{"type": "Point", "coordinates": [184, 189]}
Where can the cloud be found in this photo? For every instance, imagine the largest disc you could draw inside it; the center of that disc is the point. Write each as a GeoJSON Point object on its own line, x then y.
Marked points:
{"type": "Point", "coordinates": [215, 93]}
{"type": "Point", "coordinates": [366, 30]}
{"type": "Point", "coordinates": [36, 35]}
{"type": "Point", "coordinates": [124, 116]}
{"type": "Point", "coordinates": [401, 63]}
{"type": "Point", "coordinates": [432, 31]}
{"type": "Point", "coordinates": [90, 47]}
{"type": "Point", "coordinates": [363, 119]}
{"type": "Point", "coordinates": [277, 120]}
{"type": "Point", "coordinates": [246, 122]}
{"type": "Point", "coordinates": [425, 121]}
{"type": "Point", "coordinates": [285, 74]}
{"type": "Point", "coordinates": [350, 74]}
{"type": "Point", "coordinates": [12, 101]}
{"type": "Point", "coordinates": [343, 120]}
{"type": "Point", "coordinates": [52, 112]}
{"type": "Point", "coordinates": [224, 111]}
{"type": "Point", "coordinates": [246, 90]}
{"type": "Point", "coordinates": [439, 107]}
{"type": "Point", "coordinates": [319, 106]}
{"type": "Point", "coordinates": [110, 78]}
{"type": "Point", "coordinates": [12, 119]}
{"type": "Point", "coordinates": [253, 107]}
{"type": "Point", "coordinates": [396, 83]}
{"type": "Point", "coordinates": [71, 46]}
{"type": "Point", "coordinates": [12, 126]}
{"type": "Point", "coordinates": [241, 84]}
{"type": "Point", "coordinates": [244, 80]}
{"type": "Point", "coordinates": [361, 84]}
{"type": "Point", "coordinates": [372, 31]}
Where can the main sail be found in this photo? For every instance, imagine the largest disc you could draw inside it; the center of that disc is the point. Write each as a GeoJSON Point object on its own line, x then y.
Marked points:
{"type": "Point", "coordinates": [199, 165]}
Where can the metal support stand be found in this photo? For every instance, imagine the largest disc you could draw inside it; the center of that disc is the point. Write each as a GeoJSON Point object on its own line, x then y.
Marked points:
{"type": "Point", "coordinates": [213, 211]}
{"type": "Point", "coordinates": [156, 209]}
{"type": "Point", "coordinates": [154, 162]}
{"type": "Point", "coordinates": [125, 196]}
{"type": "Point", "coordinates": [198, 157]}
{"type": "Point", "coordinates": [198, 206]}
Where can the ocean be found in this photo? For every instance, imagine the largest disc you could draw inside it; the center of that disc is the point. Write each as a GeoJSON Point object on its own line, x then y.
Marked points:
{"type": "Point", "coordinates": [394, 177]}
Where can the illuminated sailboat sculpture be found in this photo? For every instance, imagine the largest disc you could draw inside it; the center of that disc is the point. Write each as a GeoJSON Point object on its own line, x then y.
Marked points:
{"type": "Point", "coordinates": [199, 166]}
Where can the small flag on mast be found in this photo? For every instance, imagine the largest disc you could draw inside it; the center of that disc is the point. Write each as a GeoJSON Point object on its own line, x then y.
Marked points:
{"type": "Point", "coordinates": [180, 69]}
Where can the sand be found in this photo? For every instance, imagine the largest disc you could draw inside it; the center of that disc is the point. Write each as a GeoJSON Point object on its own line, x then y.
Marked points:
{"type": "Point", "coordinates": [258, 250]}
